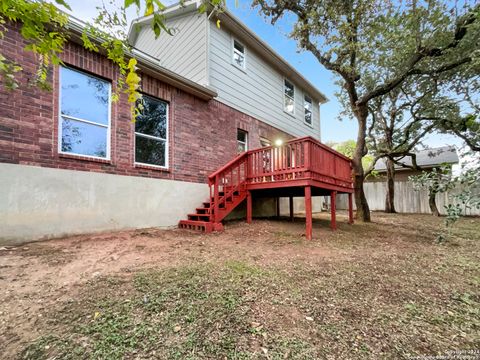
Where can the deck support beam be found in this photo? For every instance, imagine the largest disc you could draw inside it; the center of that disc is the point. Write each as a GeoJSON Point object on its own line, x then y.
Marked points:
{"type": "Point", "coordinates": [333, 205]}
{"type": "Point", "coordinates": [290, 203]}
{"type": "Point", "coordinates": [350, 208]}
{"type": "Point", "coordinates": [308, 212]}
{"type": "Point", "coordinates": [249, 207]}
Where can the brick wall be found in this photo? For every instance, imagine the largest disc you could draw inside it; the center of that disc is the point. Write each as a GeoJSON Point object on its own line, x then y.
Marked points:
{"type": "Point", "coordinates": [202, 135]}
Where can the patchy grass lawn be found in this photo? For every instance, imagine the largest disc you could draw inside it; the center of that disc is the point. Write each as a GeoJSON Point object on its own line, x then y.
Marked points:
{"type": "Point", "coordinates": [259, 291]}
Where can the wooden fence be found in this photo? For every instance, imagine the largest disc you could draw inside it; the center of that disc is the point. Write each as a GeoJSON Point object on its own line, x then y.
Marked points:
{"type": "Point", "coordinates": [407, 199]}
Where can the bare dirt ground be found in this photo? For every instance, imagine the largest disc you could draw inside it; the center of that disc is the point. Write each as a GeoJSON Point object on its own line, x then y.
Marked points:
{"type": "Point", "coordinates": [380, 290]}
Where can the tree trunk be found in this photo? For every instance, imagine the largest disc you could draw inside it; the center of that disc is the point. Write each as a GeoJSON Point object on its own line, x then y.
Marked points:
{"type": "Point", "coordinates": [433, 204]}
{"type": "Point", "coordinates": [363, 211]}
{"type": "Point", "coordinates": [390, 197]}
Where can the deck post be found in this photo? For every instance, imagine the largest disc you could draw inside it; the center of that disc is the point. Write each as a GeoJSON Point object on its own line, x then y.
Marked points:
{"type": "Point", "coordinates": [333, 205]}
{"type": "Point", "coordinates": [249, 207]}
{"type": "Point", "coordinates": [350, 208]}
{"type": "Point", "coordinates": [290, 203]}
{"type": "Point", "coordinates": [277, 207]}
{"type": "Point", "coordinates": [308, 212]}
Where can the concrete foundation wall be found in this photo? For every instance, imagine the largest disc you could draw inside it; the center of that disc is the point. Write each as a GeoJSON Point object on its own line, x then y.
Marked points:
{"type": "Point", "coordinates": [261, 207]}
{"type": "Point", "coordinates": [299, 205]}
{"type": "Point", "coordinates": [41, 203]}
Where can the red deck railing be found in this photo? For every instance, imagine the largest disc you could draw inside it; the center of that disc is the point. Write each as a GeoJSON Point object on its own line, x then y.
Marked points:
{"type": "Point", "coordinates": [299, 159]}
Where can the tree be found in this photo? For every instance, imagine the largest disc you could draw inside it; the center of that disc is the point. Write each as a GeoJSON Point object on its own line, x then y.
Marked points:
{"type": "Point", "coordinates": [400, 120]}
{"type": "Point", "coordinates": [360, 37]}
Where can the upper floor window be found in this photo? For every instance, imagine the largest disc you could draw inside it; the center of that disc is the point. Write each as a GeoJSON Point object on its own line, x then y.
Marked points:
{"type": "Point", "coordinates": [151, 133]}
{"type": "Point", "coordinates": [84, 114]}
{"type": "Point", "coordinates": [307, 104]}
{"type": "Point", "coordinates": [239, 54]}
{"type": "Point", "coordinates": [242, 141]}
{"type": "Point", "coordinates": [289, 97]}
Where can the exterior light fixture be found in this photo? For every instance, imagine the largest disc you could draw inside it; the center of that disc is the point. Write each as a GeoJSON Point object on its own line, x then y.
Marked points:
{"type": "Point", "coordinates": [278, 142]}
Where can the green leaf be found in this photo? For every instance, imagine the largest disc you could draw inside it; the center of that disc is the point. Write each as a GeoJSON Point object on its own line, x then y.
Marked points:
{"type": "Point", "coordinates": [64, 4]}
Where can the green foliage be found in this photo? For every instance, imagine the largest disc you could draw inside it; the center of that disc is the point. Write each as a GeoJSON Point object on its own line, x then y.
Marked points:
{"type": "Point", "coordinates": [441, 181]}
{"type": "Point", "coordinates": [43, 26]}
{"type": "Point", "coordinates": [348, 147]}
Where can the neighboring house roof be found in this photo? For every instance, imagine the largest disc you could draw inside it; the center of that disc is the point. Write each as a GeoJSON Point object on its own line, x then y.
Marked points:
{"type": "Point", "coordinates": [150, 66]}
{"type": "Point", "coordinates": [428, 158]}
{"type": "Point", "coordinates": [236, 25]}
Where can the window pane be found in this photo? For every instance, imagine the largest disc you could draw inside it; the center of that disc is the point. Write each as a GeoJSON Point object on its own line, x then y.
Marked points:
{"type": "Point", "coordinates": [149, 151]}
{"type": "Point", "coordinates": [241, 147]}
{"type": "Point", "coordinates": [242, 136]}
{"type": "Point", "coordinates": [84, 96]}
{"type": "Point", "coordinates": [289, 105]}
{"type": "Point", "coordinates": [239, 59]}
{"type": "Point", "coordinates": [308, 104]}
{"type": "Point", "coordinates": [308, 117]}
{"type": "Point", "coordinates": [84, 139]}
{"type": "Point", "coordinates": [239, 47]}
{"type": "Point", "coordinates": [265, 142]}
{"type": "Point", "coordinates": [153, 120]}
{"type": "Point", "coordinates": [289, 89]}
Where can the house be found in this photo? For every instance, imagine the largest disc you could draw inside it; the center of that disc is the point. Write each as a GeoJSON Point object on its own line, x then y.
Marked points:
{"type": "Point", "coordinates": [248, 75]}
{"type": "Point", "coordinates": [72, 160]}
{"type": "Point", "coordinates": [426, 160]}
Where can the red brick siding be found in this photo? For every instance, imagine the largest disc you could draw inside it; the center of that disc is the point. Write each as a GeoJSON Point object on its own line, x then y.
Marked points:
{"type": "Point", "coordinates": [202, 135]}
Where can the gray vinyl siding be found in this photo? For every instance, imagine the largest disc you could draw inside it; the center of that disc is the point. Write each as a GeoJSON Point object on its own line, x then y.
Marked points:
{"type": "Point", "coordinates": [185, 52]}
{"type": "Point", "coordinates": [258, 90]}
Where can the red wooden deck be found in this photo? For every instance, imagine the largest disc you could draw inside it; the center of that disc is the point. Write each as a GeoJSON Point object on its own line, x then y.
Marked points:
{"type": "Point", "coordinates": [300, 167]}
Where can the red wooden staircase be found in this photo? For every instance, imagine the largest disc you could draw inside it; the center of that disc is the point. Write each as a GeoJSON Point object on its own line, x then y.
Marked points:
{"type": "Point", "coordinates": [228, 188]}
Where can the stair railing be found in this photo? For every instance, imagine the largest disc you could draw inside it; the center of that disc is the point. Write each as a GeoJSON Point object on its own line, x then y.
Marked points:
{"type": "Point", "coordinates": [225, 182]}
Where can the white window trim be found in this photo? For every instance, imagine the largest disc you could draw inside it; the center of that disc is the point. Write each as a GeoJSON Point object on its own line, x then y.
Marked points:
{"type": "Point", "coordinates": [246, 139]}
{"type": "Point", "coordinates": [305, 112]}
{"type": "Point", "coordinates": [244, 67]}
{"type": "Point", "coordinates": [284, 94]}
{"type": "Point", "coordinates": [60, 116]}
{"type": "Point", "coordinates": [167, 149]}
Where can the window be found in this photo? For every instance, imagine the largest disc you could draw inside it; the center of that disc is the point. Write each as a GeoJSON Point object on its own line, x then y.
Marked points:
{"type": "Point", "coordinates": [84, 125]}
{"type": "Point", "coordinates": [265, 142]}
{"type": "Point", "coordinates": [238, 54]}
{"type": "Point", "coordinates": [151, 133]}
{"type": "Point", "coordinates": [242, 141]}
{"type": "Point", "coordinates": [289, 96]}
{"type": "Point", "coordinates": [307, 104]}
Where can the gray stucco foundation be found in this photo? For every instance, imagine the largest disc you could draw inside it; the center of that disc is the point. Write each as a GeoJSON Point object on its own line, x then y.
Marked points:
{"type": "Point", "coordinates": [41, 203]}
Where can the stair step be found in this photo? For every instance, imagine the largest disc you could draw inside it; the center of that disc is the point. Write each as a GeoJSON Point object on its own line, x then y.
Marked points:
{"type": "Point", "coordinates": [201, 217]}
{"type": "Point", "coordinates": [202, 210]}
{"type": "Point", "coordinates": [204, 226]}
{"type": "Point", "coordinates": [206, 205]}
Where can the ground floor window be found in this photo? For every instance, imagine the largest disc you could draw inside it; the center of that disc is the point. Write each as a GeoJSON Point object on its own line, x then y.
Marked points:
{"type": "Point", "coordinates": [151, 133]}
{"type": "Point", "coordinates": [265, 142]}
{"type": "Point", "coordinates": [242, 141]}
{"type": "Point", "coordinates": [84, 121]}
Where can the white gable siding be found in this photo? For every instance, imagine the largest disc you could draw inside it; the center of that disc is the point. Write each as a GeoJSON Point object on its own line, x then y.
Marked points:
{"type": "Point", "coordinates": [257, 91]}
{"type": "Point", "coordinates": [185, 52]}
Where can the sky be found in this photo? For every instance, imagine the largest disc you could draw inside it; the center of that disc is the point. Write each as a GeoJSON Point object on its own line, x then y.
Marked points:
{"type": "Point", "coordinates": [333, 129]}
